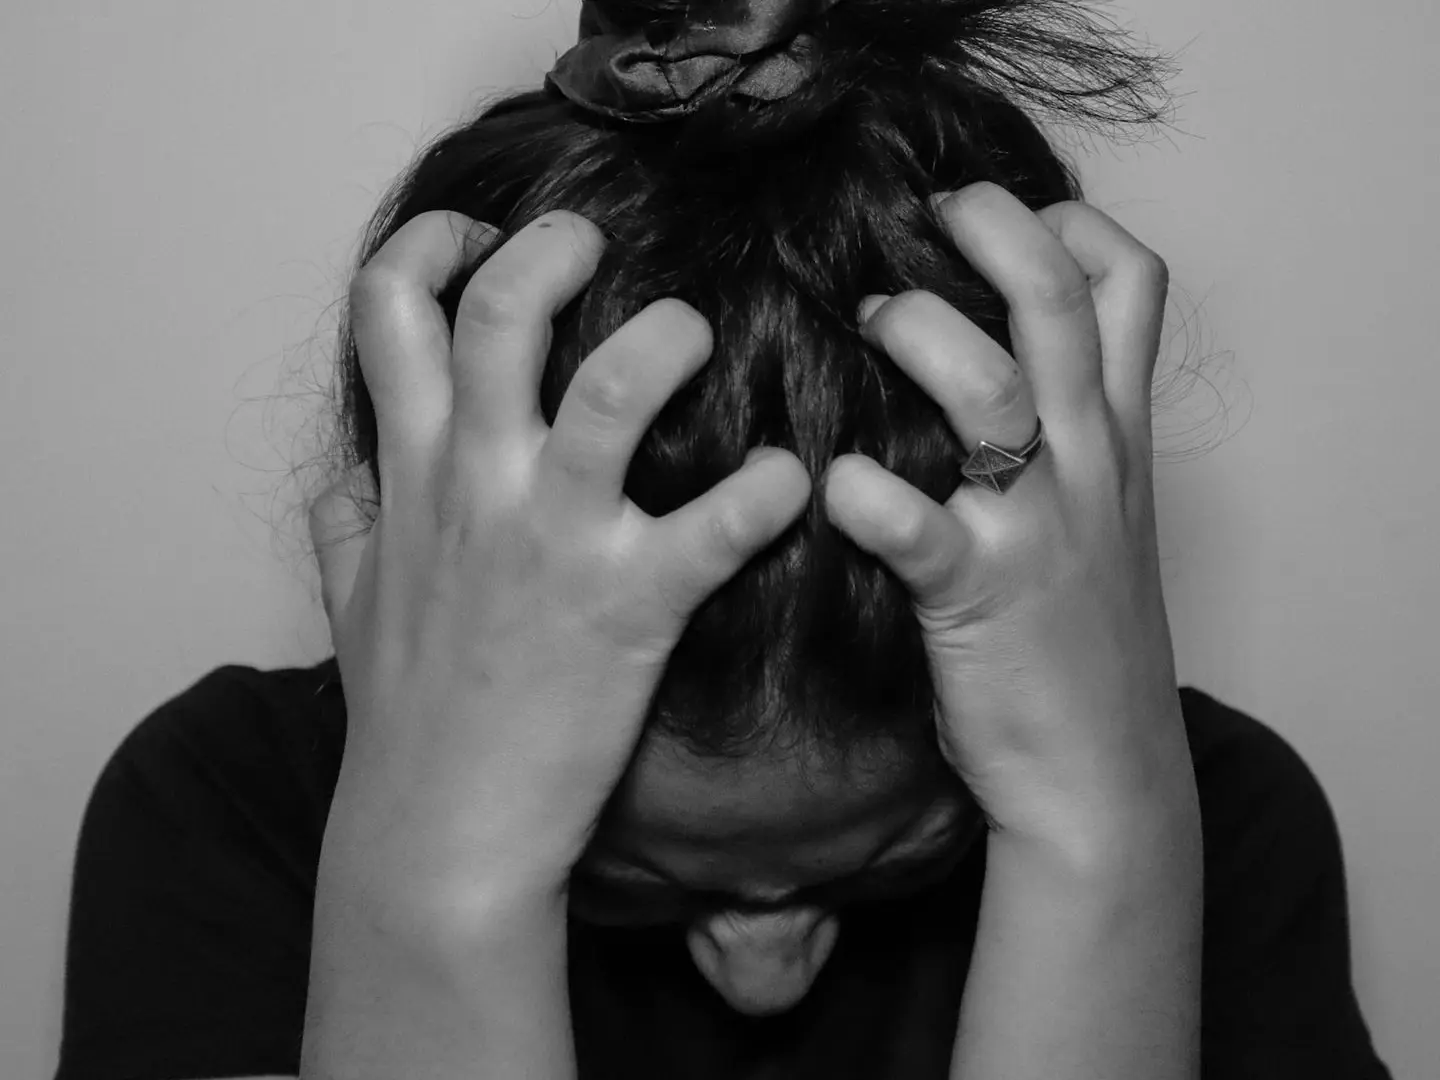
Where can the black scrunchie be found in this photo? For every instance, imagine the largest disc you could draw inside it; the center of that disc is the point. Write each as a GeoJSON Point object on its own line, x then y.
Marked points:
{"type": "Point", "coordinates": [757, 51]}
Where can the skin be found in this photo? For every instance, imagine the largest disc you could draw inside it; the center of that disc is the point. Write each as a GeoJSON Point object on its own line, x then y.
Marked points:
{"type": "Point", "coordinates": [721, 848]}
{"type": "Point", "coordinates": [503, 626]}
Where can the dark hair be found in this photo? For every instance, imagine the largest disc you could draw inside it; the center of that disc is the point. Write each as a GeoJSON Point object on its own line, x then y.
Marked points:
{"type": "Point", "coordinates": [773, 221]}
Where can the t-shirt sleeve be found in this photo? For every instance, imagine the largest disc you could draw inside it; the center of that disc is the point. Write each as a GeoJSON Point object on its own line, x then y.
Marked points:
{"type": "Point", "coordinates": [188, 941]}
{"type": "Point", "coordinates": [1278, 1000]}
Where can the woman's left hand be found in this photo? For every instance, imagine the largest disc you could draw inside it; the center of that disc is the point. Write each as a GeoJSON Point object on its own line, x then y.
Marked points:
{"type": "Point", "coordinates": [1041, 608]}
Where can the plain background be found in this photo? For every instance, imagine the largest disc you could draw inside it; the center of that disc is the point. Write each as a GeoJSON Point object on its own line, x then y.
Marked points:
{"type": "Point", "coordinates": [182, 189]}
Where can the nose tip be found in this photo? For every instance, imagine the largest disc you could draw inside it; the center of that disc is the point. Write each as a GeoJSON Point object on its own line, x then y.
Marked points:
{"type": "Point", "coordinates": [763, 964]}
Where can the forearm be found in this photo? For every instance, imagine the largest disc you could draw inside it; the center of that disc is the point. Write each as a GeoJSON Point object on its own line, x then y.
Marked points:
{"type": "Point", "coordinates": [1088, 969]}
{"type": "Point", "coordinates": [382, 1008]}
{"type": "Point", "coordinates": [425, 974]}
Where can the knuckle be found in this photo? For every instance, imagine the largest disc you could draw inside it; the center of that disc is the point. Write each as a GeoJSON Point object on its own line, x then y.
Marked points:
{"type": "Point", "coordinates": [372, 288]}
{"type": "Point", "coordinates": [495, 301]}
{"type": "Point", "coordinates": [1152, 271]}
{"type": "Point", "coordinates": [604, 391]}
{"type": "Point", "coordinates": [728, 532]}
{"type": "Point", "coordinates": [516, 283]}
{"type": "Point", "coordinates": [907, 527]}
{"type": "Point", "coordinates": [1058, 289]}
{"type": "Point", "coordinates": [999, 387]}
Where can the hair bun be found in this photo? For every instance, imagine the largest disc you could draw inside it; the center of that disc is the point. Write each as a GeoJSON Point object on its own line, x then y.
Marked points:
{"type": "Point", "coordinates": [663, 70]}
{"type": "Point", "coordinates": [646, 61]}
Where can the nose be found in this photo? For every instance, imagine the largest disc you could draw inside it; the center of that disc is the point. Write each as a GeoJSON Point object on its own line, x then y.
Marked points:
{"type": "Point", "coordinates": [763, 964]}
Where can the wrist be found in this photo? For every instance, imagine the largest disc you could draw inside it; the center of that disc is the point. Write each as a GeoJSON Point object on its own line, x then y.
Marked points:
{"type": "Point", "coordinates": [423, 982]}
{"type": "Point", "coordinates": [1121, 847]}
{"type": "Point", "coordinates": [430, 888]}
{"type": "Point", "coordinates": [1085, 963]}
{"type": "Point", "coordinates": [1098, 802]}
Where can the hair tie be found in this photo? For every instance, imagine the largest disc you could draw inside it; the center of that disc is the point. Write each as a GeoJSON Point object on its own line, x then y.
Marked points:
{"type": "Point", "coordinates": [755, 49]}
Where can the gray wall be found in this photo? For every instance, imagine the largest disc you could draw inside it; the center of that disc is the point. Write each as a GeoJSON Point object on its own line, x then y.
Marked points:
{"type": "Point", "coordinates": [183, 186]}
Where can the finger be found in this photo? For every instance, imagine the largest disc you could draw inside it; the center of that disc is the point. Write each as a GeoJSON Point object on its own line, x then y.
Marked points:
{"type": "Point", "coordinates": [340, 519]}
{"type": "Point", "coordinates": [1052, 319]}
{"type": "Point", "coordinates": [1128, 283]}
{"type": "Point", "coordinates": [980, 387]}
{"type": "Point", "coordinates": [700, 546]}
{"type": "Point", "coordinates": [401, 336]}
{"type": "Point", "coordinates": [503, 324]}
{"type": "Point", "coordinates": [613, 398]}
{"type": "Point", "coordinates": [923, 542]}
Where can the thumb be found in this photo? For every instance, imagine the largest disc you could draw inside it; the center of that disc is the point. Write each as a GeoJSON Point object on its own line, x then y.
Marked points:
{"type": "Point", "coordinates": [338, 529]}
{"type": "Point", "coordinates": [920, 540]}
{"type": "Point", "coordinates": [704, 543]}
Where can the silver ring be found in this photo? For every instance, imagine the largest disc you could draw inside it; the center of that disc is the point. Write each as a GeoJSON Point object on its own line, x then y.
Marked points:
{"type": "Point", "coordinates": [997, 468]}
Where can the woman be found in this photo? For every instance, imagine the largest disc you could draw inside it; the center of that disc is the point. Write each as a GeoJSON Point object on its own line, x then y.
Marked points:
{"type": "Point", "coordinates": [860, 755]}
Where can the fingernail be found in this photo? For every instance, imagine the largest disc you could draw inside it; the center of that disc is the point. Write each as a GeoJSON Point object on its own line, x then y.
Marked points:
{"type": "Point", "coordinates": [870, 305]}
{"type": "Point", "coordinates": [758, 453]}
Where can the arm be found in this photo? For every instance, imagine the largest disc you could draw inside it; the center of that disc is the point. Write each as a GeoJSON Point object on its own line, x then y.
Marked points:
{"type": "Point", "coordinates": [501, 624]}
{"type": "Point", "coordinates": [1087, 967]}
{"type": "Point", "coordinates": [397, 995]}
{"type": "Point", "coordinates": [1043, 614]}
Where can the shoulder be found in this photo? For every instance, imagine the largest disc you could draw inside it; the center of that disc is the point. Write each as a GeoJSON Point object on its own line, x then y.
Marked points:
{"type": "Point", "coordinates": [1270, 835]}
{"type": "Point", "coordinates": [237, 735]}
{"type": "Point", "coordinates": [1278, 995]}
{"type": "Point", "coordinates": [232, 776]}
{"type": "Point", "coordinates": [239, 706]}
{"type": "Point", "coordinates": [1249, 775]}
{"type": "Point", "coordinates": [1267, 821]}
{"type": "Point", "coordinates": [193, 886]}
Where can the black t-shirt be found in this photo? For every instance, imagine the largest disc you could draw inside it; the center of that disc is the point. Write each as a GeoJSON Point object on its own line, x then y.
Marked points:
{"type": "Point", "coordinates": [189, 932]}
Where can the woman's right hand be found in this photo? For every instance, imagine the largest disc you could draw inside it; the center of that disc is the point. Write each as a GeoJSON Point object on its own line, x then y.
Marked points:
{"type": "Point", "coordinates": [501, 629]}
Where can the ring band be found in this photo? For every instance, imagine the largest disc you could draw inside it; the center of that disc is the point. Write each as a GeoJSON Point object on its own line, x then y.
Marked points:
{"type": "Point", "coordinates": [997, 468]}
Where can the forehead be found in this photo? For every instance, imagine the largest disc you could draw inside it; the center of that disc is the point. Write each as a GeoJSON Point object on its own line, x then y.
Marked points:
{"type": "Point", "coordinates": [799, 806]}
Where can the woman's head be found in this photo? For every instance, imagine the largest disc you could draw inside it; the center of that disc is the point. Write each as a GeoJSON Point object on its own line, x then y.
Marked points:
{"type": "Point", "coordinates": [790, 751]}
